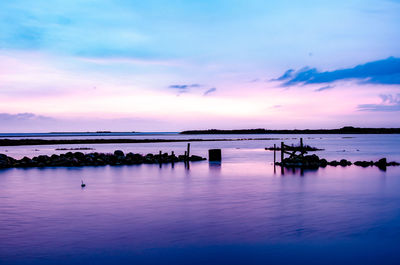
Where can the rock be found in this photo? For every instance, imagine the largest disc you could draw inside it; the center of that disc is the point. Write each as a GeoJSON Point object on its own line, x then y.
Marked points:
{"type": "Point", "coordinates": [43, 158]}
{"type": "Point", "coordinates": [119, 153]}
{"type": "Point", "coordinates": [196, 158]}
{"type": "Point", "coordinates": [25, 162]}
{"type": "Point", "coordinates": [311, 158]}
{"type": "Point", "coordinates": [381, 164]}
{"type": "Point", "coordinates": [334, 163]}
{"type": "Point", "coordinates": [93, 159]}
{"type": "Point", "coordinates": [363, 163]}
{"type": "Point", "coordinates": [344, 163]}
{"type": "Point", "coordinates": [323, 162]}
{"type": "Point", "coordinates": [3, 157]}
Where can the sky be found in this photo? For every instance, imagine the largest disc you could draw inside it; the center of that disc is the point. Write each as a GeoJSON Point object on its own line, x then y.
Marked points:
{"type": "Point", "coordinates": [126, 65]}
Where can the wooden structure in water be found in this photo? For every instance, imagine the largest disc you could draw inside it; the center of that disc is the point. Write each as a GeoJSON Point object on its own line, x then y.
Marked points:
{"type": "Point", "coordinates": [214, 155]}
{"type": "Point", "coordinates": [294, 154]}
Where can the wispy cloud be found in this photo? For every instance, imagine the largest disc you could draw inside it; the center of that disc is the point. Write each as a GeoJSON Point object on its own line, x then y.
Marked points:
{"type": "Point", "coordinates": [386, 71]}
{"type": "Point", "coordinates": [22, 117]}
{"type": "Point", "coordinates": [389, 103]}
{"type": "Point", "coordinates": [211, 90]}
{"type": "Point", "coordinates": [286, 75]}
{"type": "Point", "coordinates": [184, 87]}
{"type": "Point", "coordinates": [31, 122]}
{"type": "Point", "coordinates": [324, 88]}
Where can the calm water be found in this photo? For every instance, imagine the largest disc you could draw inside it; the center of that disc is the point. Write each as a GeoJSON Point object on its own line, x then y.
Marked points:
{"type": "Point", "coordinates": [237, 212]}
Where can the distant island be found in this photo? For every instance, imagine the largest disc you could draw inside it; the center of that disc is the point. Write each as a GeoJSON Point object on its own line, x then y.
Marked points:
{"type": "Point", "coordinates": [17, 142]}
{"type": "Point", "coordinates": [343, 130]}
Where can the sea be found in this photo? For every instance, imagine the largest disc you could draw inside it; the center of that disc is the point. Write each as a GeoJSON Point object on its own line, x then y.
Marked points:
{"type": "Point", "coordinates": [240, 211]}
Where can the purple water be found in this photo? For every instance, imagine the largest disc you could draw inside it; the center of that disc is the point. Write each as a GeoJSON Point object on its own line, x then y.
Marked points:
{"type": "Point", "coordinates": [236, 212]}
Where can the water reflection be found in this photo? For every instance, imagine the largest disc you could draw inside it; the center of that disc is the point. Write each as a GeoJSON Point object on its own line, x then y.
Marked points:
{"type": "Point", "coordinates": [214, 166]}
{"type": "Point", "coordinates": [45, 215]}
{"type": "Point", "coordinates": [295, 171]}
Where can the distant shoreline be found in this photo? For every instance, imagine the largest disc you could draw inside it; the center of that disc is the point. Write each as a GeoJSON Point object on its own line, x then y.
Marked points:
{"type": "Point", "coordinates": [76, 134]}
{"type": "Point", "coordinates": [344, 130]}
{"type": "Point", "coordinates": [18, 142]}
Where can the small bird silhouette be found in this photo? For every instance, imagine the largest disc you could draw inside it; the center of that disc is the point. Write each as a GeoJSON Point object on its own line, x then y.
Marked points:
{"type": "Point", "coordinates": [83, 184]}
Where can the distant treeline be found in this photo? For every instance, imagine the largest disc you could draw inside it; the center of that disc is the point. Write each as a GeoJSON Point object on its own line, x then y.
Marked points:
{"type": "Point", "coordinates": [16, 142]}
{"type": "Point", "coordinates": [344, 130]}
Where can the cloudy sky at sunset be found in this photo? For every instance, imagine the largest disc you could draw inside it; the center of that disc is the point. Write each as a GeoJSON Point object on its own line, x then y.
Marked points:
{"type": "Point", "coordinates": [125, 65]}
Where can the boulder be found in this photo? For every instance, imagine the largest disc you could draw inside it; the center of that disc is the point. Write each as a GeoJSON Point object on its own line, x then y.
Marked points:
{"type": "Point", "coordinates": [344, 163]}
{"type": "Point", "coordinates": [363, 163]}
{"type": "Point", "coordinates": [323, 162]}
{"type": "Point", "coordinates": [119, 153]}
{"type": "Point", "coordinates": [334, 163]}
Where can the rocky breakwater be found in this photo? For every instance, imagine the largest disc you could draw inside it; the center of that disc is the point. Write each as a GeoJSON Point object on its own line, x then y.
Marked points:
{"type": "Point", "coordinates": [313, 162]}
{"type": "Point", "coordinates": [79, 159]}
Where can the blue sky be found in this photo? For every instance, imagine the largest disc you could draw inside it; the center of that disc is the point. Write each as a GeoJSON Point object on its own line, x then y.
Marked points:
{"type": "Point", "coordinates": [106, 52]}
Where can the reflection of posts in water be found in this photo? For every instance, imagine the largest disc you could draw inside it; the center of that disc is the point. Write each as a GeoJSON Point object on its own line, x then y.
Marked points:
{"type": "Point", "coordinates": [214, 166]}
{"type": "Point", "coordinates": [188, 152]}
{"type": "Point", "coordinates": [187, 165]}
{"type": "Point", "coordinates": [274, 158]}
{"type": "Point", "coordinates": [282, 157]}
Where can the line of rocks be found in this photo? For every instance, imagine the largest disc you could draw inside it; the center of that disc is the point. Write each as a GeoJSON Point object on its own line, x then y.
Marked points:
{"type": "Point", "coordinates": [79, 159]}
{"type": "Point", "coordinates": [313, 161]}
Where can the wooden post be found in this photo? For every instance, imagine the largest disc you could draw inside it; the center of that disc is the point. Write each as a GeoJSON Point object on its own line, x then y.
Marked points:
{"type": "Point", "coordinates": [172, 158]}
{"type": "Point", "coordinates": [185, 155]}
{"type": "Point", "coordinates": [282, 152]}
{"type": "Point", "coordinates": [214, 155]}
{"type": "Point", "coordinates": [274, 154]}
{"type": "Point", "coordinates": [159, 159]}
{"type": "Point", "coordinates": [301, 144]}
{"type": "Point", "coordinates": [188, 151]}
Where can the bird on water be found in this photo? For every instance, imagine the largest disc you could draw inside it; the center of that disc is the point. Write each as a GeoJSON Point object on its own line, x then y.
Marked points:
{"type": "Point", "coordinates": [83, 184]}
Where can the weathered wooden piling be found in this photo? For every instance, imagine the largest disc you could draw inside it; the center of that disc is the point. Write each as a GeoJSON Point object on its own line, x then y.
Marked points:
{"type": "Point", "coordinates": [214, 155]}
{"type": "Point", "coordinates": [188, 150]}
{"type": "Point", "coordinates": [274, 154]}
{"type": "Point", "coordinates": [282, 151]}
{"type": "Point", "coordinates": [301, 144]}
